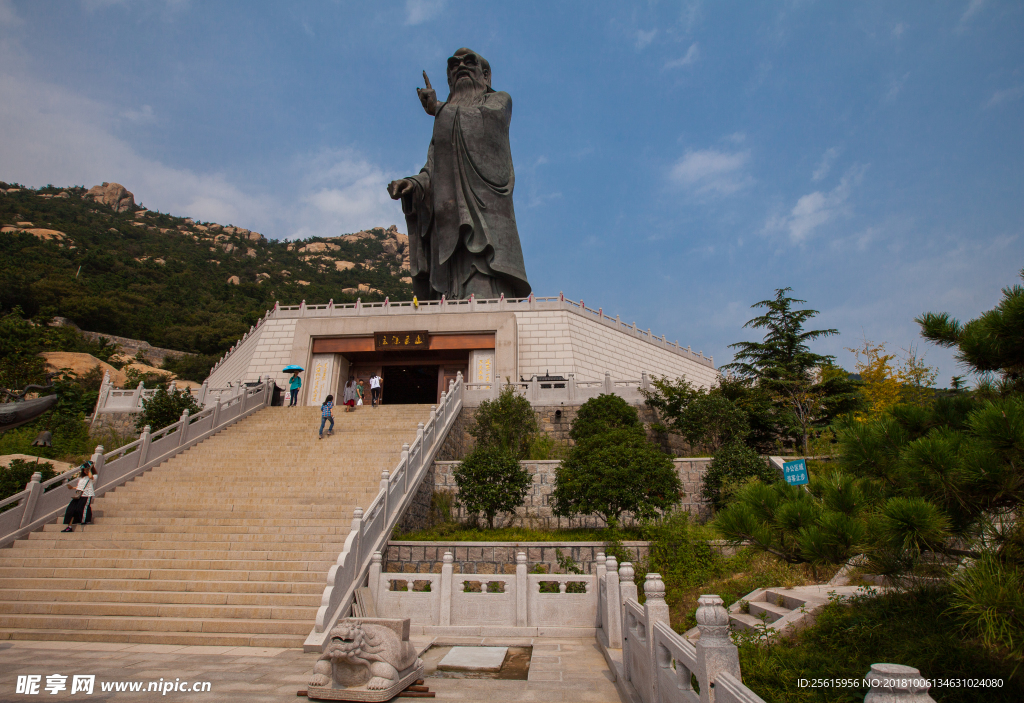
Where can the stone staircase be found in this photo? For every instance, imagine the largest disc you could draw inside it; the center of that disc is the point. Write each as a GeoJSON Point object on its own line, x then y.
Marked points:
{"type": "Point", "coordinates": [228, 543]}
{"type": "Point", "coordinates": [784, 610]}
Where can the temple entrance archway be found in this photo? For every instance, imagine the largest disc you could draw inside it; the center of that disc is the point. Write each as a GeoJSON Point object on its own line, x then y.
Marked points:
{"type": "Point", "coordinates": [409, 384]}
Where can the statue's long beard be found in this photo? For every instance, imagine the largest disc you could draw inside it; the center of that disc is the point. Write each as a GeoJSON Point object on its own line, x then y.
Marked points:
{"type": "Point", "coordinates": [467, 91]}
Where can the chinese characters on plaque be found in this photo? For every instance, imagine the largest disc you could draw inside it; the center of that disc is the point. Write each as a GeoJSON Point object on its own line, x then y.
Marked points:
{"type": "Point", "coordinates": [397, 341]}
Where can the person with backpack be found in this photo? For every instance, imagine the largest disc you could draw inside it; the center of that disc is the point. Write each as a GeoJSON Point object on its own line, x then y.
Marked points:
{"type": "Point", "coordinates": [325, 415]}
{"type": "Point", "coordinates": [375, 388]}
{"type": "Point", "coordinates": [80, 508]}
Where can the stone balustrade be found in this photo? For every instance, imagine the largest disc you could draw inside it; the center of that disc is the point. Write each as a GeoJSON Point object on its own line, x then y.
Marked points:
{"type": "Point", "coordinates": [129, 400]}
{"type": "Point", "coordinates": [39, 504]}
{"type": "Point", "coordinates": [427, 307]}
{"type": "Point", "coordinates": [371, 528]}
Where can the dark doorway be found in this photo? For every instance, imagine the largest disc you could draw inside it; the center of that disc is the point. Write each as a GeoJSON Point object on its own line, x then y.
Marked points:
{"type": "Point", "coordinates": [405, 385]}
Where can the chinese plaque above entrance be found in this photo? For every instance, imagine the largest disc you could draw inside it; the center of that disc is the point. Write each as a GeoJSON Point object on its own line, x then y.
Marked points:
{"type": "Point", "coordinates": [397, 341]}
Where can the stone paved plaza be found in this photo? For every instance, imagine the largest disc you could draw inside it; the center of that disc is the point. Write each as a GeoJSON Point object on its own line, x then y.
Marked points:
{"type": "Point", "coordinates": [560, 670]}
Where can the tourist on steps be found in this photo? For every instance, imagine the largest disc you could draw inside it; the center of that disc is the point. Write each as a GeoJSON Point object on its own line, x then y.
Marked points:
{"type": "Point", "coordinates": [294, 384]}
{"type": "Point", "coordinates": [80, 507]}
{"type": "Point", "coordinates": [360, 392]}
{"type": "Point", "coordinates": [325, 415]}
{"type": "Point", "coordinates": [375, 382]}
{"type": "Point", "coordinates": [349, 399]}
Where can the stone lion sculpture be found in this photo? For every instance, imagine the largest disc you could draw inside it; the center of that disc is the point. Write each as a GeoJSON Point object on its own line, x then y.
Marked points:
{"type": "Point", "coordinates": [369, 653]}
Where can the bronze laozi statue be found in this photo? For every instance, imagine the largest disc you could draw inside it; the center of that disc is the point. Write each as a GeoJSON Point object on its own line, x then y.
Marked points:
{"type": "Point", "coordinates": [462, 226]}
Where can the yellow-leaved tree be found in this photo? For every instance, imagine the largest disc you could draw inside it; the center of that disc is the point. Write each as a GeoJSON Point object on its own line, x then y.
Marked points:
{"type": "Point", "coordinates": [885, 383]}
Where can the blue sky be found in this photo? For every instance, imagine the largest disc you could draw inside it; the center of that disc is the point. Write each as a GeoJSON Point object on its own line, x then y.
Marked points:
{"type": "Point", "coordinates": [675, 161]}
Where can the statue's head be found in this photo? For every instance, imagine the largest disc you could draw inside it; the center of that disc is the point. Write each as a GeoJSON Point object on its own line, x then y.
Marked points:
{"type": "Point", "coordinates": [468, 73]}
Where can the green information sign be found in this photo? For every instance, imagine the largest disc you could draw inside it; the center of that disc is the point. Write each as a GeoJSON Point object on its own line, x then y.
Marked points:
{"type": "Point", "coordinates": [795, 472]}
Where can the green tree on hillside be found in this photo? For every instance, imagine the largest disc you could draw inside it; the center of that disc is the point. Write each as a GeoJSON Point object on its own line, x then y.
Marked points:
{"type": "Point", "coordinates": [807, 386]}
{"type": "Point", "coordinates": [613, 468]}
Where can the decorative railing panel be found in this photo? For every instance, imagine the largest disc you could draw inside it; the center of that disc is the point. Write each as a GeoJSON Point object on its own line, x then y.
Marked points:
{"type": "Point", "coordinates": [38, 505]}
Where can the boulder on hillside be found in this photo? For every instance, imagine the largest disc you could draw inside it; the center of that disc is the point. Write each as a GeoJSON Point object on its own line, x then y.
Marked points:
{"type": "Point", "coordinates": [81, 364]}
{"type": "Point", "coordinates": [343, 265]}
{"type": "Point", "coordinates": [114, 195]}
{"type": "Point", "coordinates": [314, 247]}
{"type": "Point", "coordinates": [233, 280]}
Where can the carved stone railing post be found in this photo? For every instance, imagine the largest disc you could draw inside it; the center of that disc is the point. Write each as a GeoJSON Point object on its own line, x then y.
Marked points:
{"type": "Point", "coordinates": [201, 396]}
{"type": "Point", "coordinates": [522, 591]}
{"type": "Point", "coordinates": [144, 442]}
{"type": "Point", "coordinates": [446, 590]}
{"type": "Point", "coordinates": [34, 489]}
{"type": "Point", "coordinates": [715, 651]}
{"type": "Point", "coordinates": [385, 477]}
{"type": "Point", "coordinates": [612, 616]}
{"type": "Point", "coordinates": [655, 611]}
{"type": "Point", "coordinates": [183, 430]}
{"type": "Point", "coordinates": [608, 385]}
{"type": "Point", "coordinates": [98, 459]}
{"type": "Point", "coordinates": [373, 578]}
{"type": "Point", "coordinates": [627, 587]}
{"type": "Point", "coordinates": [895, 683]}
{"type": "Point", "coordinates": [137, 397]}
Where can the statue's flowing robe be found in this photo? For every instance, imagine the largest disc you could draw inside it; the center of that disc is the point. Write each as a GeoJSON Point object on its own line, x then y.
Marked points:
{"type": "Point", "coordinates": [462, 226]}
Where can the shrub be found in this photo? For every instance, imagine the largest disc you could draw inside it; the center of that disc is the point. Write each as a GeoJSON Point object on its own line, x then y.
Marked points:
{"type": "Point", "coordinates": [165, 408]}
{"type": "Point", "coordinates": [18, 473]}
{"type": "Point", "coordinates": [507, 423]}
{"type": "Point", "coordinates": [492, 481]}
{"type": "Point", "coordinates": [601, 414]}
{"type": "Point", "coordinates": [613, 468]}
{"type": "Point", "coordinates": [732, 466]}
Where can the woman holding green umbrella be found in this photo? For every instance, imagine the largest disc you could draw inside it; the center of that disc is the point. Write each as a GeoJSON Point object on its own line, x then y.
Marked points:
{"type": "Point", "coordinates": [294, 383]}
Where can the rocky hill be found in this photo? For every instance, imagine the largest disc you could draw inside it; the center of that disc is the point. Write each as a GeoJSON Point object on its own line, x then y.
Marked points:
{"type": "Point", "coordinates": [97, 258]}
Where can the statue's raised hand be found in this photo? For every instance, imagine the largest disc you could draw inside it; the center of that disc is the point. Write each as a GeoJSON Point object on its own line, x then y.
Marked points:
{"type": "Point", "coordinates": [396, 189]}
{"type": "Point", "coordinates": [427, 96]}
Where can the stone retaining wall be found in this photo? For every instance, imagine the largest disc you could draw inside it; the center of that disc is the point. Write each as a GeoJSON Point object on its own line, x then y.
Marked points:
{"type": "Point", "coordinates": [537, 513]}
{"type": "Point", "coordinates": [496, 557]}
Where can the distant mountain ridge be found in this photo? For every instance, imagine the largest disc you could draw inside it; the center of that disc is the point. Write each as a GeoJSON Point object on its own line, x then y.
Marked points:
{"type": "Point", "coordinates": [97, 258]}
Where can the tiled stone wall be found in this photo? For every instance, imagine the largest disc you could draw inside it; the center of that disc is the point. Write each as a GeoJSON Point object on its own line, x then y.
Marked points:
{"type": "Point", "coordinates": [495, 557]}
{"type": "Point", "coordinates": [266, 351]}
{"type": "Point", "coordinates": [537, 513]}
{"type": "Point", "coordinates": [417, 515]}
{"type": "Point", "coordinates": [562, 343]}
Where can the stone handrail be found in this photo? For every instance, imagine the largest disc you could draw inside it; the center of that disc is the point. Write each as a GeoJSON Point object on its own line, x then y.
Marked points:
{"type": "Point", "coordinates": [546, 392]}
{"type": "Point", "coordinates": [657, 664]}
{"type": "Point", "coordinates": [425, 307]}
{"type": "Point", "coordinates": [510, 604]}
{"type": "Point", "coordinates": [129, 400]}
{"type": "Point", "coordinates": [37, 505]}
{"type": "Point", "coordinates": [371, 528]}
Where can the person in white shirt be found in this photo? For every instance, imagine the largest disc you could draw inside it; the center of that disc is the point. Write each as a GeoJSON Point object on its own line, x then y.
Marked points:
{"type": "Point", "coordinates": [375, 383]}
{"type": "Point", "coordinates": [80, 507]}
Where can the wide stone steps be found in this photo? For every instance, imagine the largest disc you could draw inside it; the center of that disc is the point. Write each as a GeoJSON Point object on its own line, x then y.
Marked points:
{"type": "Point", "coordinates": [226, 544]}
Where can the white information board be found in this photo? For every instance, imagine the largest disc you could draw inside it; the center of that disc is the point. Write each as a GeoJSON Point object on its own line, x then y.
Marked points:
{"type": "Point", "coordinates": [321, 371]}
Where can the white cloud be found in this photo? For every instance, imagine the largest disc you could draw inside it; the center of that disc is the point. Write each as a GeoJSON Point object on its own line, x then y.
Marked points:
{"type": "Point", "coordinates": [817, 209]}
{"type": "Point", "coordinates": [692, 54]}
{"type": "Point", "coordinates": [896, 87]}
{"type": "Point", "coordinates": [643, 39]}
{"type": "Point", "coordinates": [8, 15]}
{"type": "Point", "coordinates": [1001, 96]}
{"type": "Point", "coordinates": [143, 114]}
{"type": "Point", "coordinates": [736, 137]}
{"type": "Point", "coordinates": [420, 11]}
{"type": "Point", "coordinates": [897, 31]}
{"type": "Point", "coordinates": [825, 165]}
{"type": "Point", "coordinates": [973, 8]}
{"type": "Point", "coordinates": [709, 171]}
{"type": "Point", "coordinates": [343, 193]}
{"type": "Point", "coordinates": [52, 135]}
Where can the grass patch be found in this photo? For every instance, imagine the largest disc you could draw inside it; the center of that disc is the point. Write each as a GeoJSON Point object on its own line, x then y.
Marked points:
{"type": "Point", "coordinates": [913, 629]}
{"type": "Point", "coordinates": [458, 532]}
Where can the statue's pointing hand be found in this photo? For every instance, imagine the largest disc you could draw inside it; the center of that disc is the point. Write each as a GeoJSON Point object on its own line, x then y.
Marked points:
{"type": "Point", "coordinates": [427, 96]}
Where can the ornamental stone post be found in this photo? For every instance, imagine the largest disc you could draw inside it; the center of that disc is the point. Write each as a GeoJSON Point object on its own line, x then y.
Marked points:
{"type": "Point", "coordinates": [627, 587]}
{"type": "Point", "coordinates": [373, 579]}
{"type": "Point", "coordinates": [446, 590]}
{"type": "Point", "coordinates": [34, 488]}
{"type": "Point", "coordinates": [612, 616]}
{"type": "Point", "coordinates": [895, 683]}
{"type": "Point", "coordinates": [715, 651]}
{"type": "Point", "coordinates": [522, 591]}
